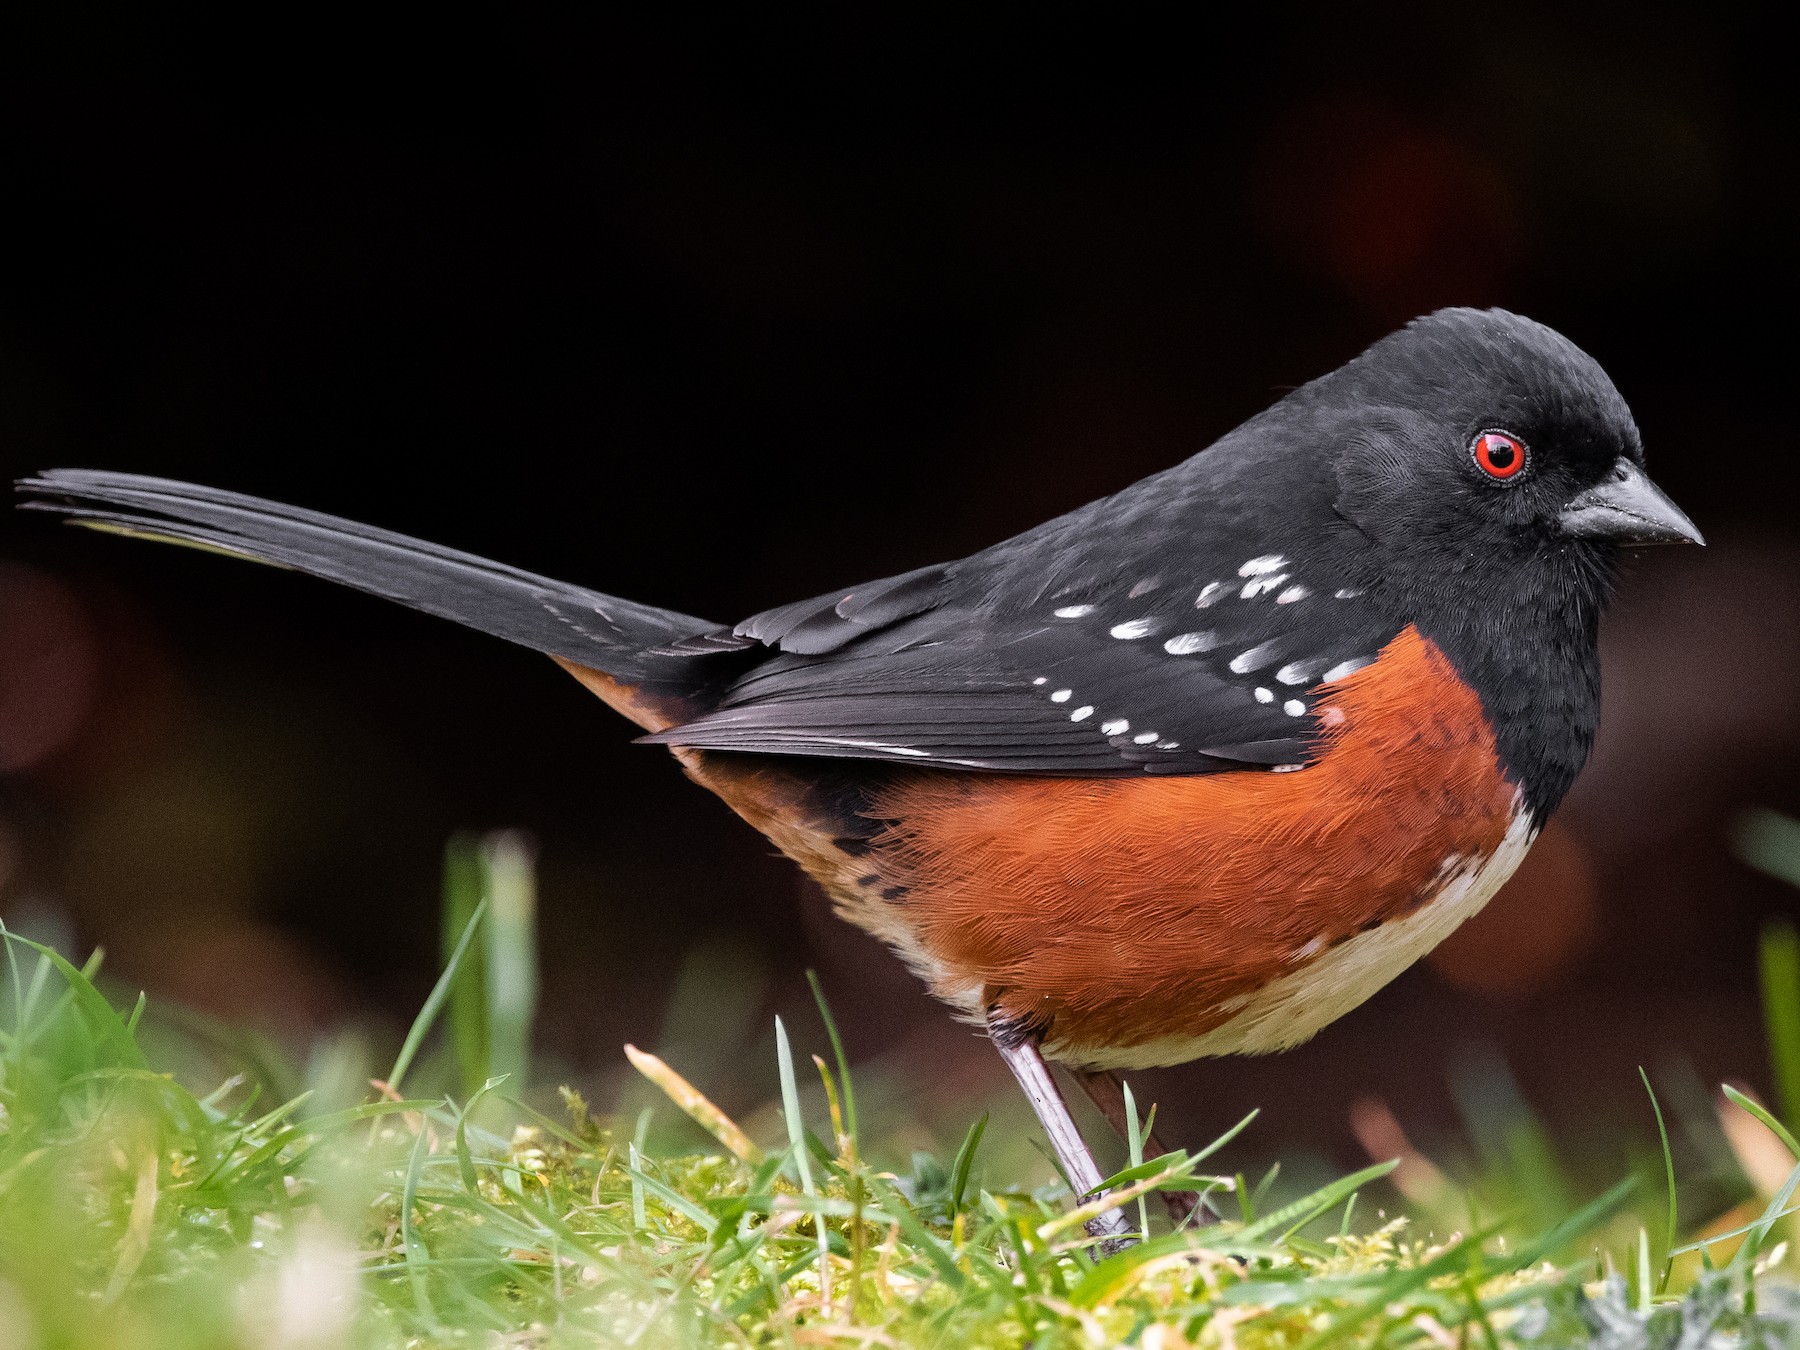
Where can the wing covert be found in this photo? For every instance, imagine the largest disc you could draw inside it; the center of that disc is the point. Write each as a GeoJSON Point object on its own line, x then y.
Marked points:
{"type": "Point", "coordinates": [1099, 679]}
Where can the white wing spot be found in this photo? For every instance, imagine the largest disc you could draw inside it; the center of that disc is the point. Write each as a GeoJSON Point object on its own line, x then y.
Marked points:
{"type": "Point", "coordinates": [1143, 587]}
{"type": "Point", "coordinates": [1061, 695]}
{"type": "Point", "coordinates": [1343, 668]}
{"type": "Point", "coordinates": [1209, 595]}
{"type": "Point", "coordinates": [1143, 738]}
{"type": "Point", "coordinates": [1297, 672]}
{"type": "Point", "coordinates": [1168, 745]}
{"type": "Point", "coordinates": [1186, 644]}
{"type": "Point", "coordinates": [1133, 629]}
{"type": "Point", "coordinates": [1294, 708]}
{"type": "Point", "coordinates": [1117, 727]}
{"type": "Point", "coordinates": [1073, 611]}
{"type": "Point", "coordinates": [1286, 768]}
{"type": "Point", "coordinates": [1257, 657]}
{"type": "Point", "coordinates": [1041, 680]}
{"type": "Point", "coordinates": [1264, 695]}
{"type": "Point", "coordinates": [1269, 562]}
{"type": "Point", "coordinates": [1348, 593]}
{"type": "Point", "coordinates": [1261, 585]}
{"type": "Point", "coordinates": [1082, 713]}
{"type": "Point", "coordinates": [1291, 594]}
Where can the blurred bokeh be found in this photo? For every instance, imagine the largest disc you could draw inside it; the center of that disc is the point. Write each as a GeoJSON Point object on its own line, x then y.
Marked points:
{"type": "Point", "coordinates": [720, 313]}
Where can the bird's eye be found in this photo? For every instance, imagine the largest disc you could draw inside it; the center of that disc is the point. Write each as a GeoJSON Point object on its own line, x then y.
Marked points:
{"type": "Point", "coordinates": [1499, 454]}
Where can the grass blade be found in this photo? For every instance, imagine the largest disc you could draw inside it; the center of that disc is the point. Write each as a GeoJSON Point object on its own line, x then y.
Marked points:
{"type": "Point", "coordinates": [1713, 1239]}
{"type": "Point", "coordinates": [1309, 1207]}
{"type": "Point", "coordinates": [138, 1227]}
{"type": "Point", "coordinates": [640, 1220]}
{"type": "Point", "coordinates": [1761, 1112]}
{"type": "Point", "coordinates": [1107, 1276]}
{"type": "Point", "coordinates": [545, 1123]}
{"type": "Point", "coordinates": [465, 1163]}
{"type": "Point", "coordinates": [790, 1108]}
{"type": "Point", "coordinates": [418, 1256]}
{"type": "Point", "coordinates": [1224, 1139]}
{"type": "Point", "coordinates": [965, 1159]}
{"type": "Point", "coordinates": [674, 1199]}
{"type": "Point", "coordinates": [1134, 1149]}
{"type": "Point", "coordinates": [20, 1017]}
{"type": "Point", "coordinates": [837, 1053]}
{"type": "Point", "coordinates": [1780, 964]}
{"type": "Point", "coordinates": [796, 1129]}
{"type": "Point", "coordinates": [1752, 1245]}
{"type": "Point", "coordinates": [1668, 1158]}
{"type": "Point", "coordinates": [434, 1001]}
{"type": "Point", "coordinates": [1560, 1234]}
{"type": "Point", "coordinates": [1177, 1165]}
{"type": "Point", "coordinates": [852, 1133]}
{"type": "Point", "coordinates": [697, 1106]}
{"type": "Point", "coordinates": [509, 885]}
{"type": "Point", "coordinates": [467, 1015]}
{"type": "Point", "coordinates": [1112, 1200]}
{"type": "Point", "coordinates": [104, 1020]}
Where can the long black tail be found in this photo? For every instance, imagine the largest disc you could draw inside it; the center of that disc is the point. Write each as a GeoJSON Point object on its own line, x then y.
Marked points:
{"type": "Point", "coordinates": [604, 632]}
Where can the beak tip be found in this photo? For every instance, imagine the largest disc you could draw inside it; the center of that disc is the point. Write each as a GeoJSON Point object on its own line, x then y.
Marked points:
{"type": "Point", "coordinates": [1629, 509]}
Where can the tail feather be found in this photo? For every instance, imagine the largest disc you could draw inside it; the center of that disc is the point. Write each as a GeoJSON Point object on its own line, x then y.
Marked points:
{"type": "Point", "coordinates": [581, 626]}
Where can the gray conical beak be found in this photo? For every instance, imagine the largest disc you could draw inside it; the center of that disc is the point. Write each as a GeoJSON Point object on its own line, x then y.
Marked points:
{"type": "Point", "coordinates": [1628, 509]}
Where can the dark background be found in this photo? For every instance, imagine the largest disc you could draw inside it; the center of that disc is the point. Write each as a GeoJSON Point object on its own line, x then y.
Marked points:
{"type": "Point", "coordinates": [723, 312]}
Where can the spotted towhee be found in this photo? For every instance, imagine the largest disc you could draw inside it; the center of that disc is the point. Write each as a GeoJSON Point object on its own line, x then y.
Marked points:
{"type": "Point", "coordinates": [1191, 770]}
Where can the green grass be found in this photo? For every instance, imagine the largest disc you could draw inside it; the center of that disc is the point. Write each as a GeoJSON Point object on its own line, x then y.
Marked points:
{"type": "Point", "coordinates": [144, 1207]}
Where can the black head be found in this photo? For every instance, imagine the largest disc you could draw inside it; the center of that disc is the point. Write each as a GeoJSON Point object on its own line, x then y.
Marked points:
{"type": "Point", "coordinates": [1486, 475]}
{"type": "Point", "coordinates": [1477, 438]}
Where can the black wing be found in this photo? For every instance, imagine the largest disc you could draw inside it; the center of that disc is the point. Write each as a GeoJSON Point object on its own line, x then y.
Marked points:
{"type": "Point", "coordinates": [826, 622]}
{"type": "Point", "coordinates": [1121, 677]}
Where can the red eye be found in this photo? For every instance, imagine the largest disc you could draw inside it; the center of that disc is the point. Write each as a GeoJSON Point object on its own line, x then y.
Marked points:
{"type": "Point", "coordinates": [1498, 454]}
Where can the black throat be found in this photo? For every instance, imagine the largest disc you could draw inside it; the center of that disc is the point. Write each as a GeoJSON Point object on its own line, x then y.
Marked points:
{"type": "Point", "coordinates": [1534, 663]}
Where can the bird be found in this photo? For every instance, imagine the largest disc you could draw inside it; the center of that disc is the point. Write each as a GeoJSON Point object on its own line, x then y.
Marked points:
{"type": "Point", "coordinates": [1191, 770]}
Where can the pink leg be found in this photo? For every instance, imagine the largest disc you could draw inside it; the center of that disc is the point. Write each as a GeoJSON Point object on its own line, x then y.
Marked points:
{"type": "Point", "coordinates": [1071, 1150]}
